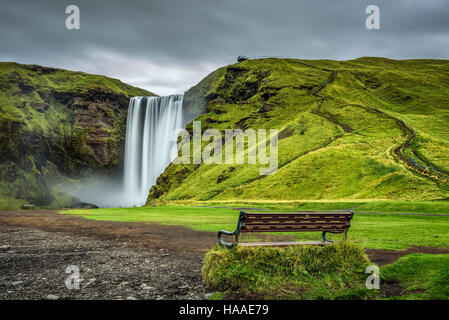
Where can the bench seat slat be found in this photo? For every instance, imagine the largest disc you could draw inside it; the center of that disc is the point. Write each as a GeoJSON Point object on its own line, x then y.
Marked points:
{"type": "Point", "coordinates": [284, 244]}
{"type": "Point", "coordinates": [289, 216]}
{"type": "Point", "coordinates": [299, 224]}
{"type": "Point", "coordinates": [337, 213]}
{"type": "Point", "coordinates": [284, 229]}
{"type": "Point", "coordinates": [299, 216]}
{"type": "Point", "coordinates": [291, 221]}
{"type": "Point", "coordinates": [284, 226]}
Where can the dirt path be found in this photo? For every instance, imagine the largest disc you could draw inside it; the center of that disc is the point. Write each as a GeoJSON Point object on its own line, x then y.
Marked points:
{"type": "Point", "coordinates": [354, 208]}
{"type": "Point", "coordinates": [116, 260]}
{"type": "Point", "coordinates": [176, 238]}
{"type": "Point", "coordinates": [382, 256]}
{"type": "Point", "coordinates": [407, 213]}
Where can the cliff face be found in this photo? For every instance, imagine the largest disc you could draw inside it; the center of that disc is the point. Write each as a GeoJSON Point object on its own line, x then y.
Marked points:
{"type": "Point", "coordinates": [369, 128]}
{"type": "Point", "coordinates": [57, 125]}
{"type": "Point", "coordinates": [196, 98]}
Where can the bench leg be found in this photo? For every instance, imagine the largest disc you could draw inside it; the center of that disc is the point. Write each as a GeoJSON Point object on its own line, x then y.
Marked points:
{"type": "Point", "coordinates": [325, 238]}
{"type": "Point", "coordinates": [345, 235]}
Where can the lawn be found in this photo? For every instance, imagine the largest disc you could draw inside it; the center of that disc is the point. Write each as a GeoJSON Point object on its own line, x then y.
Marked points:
{"type": "Point", "coordinates": [425, 276]}
{"type": "Point", "coordinates": [386, 231]}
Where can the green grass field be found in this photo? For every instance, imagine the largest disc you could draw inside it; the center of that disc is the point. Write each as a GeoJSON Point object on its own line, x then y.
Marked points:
{"type": "Point", "coordinates": [426, 276]}
{"type": "Point", "coordinates": [385, 231]}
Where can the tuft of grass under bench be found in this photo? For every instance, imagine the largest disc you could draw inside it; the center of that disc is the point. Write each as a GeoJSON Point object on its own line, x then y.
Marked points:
{"type": "Point", "coordinates": [301, 272]}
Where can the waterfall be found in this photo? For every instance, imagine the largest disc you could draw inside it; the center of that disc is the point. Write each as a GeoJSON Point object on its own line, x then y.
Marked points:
{"type": "Point", "coordinates": [150, 129]}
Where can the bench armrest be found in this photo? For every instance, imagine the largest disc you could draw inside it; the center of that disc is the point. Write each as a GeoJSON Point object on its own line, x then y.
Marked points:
{"type": "Point", "coordinates": [222, 242]}
{"type": "Point", "coordinates": [235, 234]}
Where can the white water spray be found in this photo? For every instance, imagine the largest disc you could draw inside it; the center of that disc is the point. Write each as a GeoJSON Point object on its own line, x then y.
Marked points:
{"type": "Point", "coordinates": [152, 124]}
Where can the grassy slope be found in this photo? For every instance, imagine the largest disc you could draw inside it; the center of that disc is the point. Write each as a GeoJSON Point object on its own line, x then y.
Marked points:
{"type": "Point", "coordinates": [39, 136]}
{"type": "Point", "coordinates": [47, 81]}
{"type": "Point", "coordinates": [349, 141]}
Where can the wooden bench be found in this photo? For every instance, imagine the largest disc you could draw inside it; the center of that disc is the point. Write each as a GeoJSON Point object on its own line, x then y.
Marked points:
{"type": "Point", "coordinates": [330, 221]}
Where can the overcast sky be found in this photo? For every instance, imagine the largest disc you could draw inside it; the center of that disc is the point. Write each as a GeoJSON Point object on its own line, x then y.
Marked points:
{"type": "Point", "coordinates": [167, 46]}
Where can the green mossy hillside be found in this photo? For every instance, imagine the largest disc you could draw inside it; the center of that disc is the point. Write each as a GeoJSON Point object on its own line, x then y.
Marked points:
{"type": "Point", "coordinates": [55, 125]}
{"type": "Point", "coordinates": [369, 128]}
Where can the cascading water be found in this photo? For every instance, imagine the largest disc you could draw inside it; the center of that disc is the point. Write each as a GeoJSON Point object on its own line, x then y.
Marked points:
{"type": "Point", "coordinates": [150, 131]}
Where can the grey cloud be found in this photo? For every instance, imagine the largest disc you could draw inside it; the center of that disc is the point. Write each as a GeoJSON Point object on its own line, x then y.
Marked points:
{"type": "Point", "coordinates": [196, 36]}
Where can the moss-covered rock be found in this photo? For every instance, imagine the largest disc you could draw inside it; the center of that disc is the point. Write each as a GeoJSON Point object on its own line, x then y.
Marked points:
{"type": "Point", "coordinates": [297, 272]}
{"type": "Point", "coordinates": [57, 124]}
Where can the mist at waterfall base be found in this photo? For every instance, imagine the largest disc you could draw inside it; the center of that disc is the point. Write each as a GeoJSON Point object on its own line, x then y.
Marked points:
{"type": "Point", "coordinates": [151, 130]}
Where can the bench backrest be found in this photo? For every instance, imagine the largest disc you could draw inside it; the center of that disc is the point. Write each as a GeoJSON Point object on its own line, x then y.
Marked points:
{"type": "Point", "coordinates": [295, 221]}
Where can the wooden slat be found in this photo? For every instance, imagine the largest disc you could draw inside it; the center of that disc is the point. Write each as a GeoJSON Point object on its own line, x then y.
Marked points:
{"type": "Point", "coordinates": [299, 216]}
{"type": "Point", "coordinates": [289, 229]}
{"type": "Point", "coordinates": [296, 227]}
{"type": "Point", "coordinates": [288, 221]}
{"type": "Point", "coordinates": [297, 219]}
{"type": "Point", "coordinates": [306, 224]}
{"type": "Point", "coordinates": [284, 244]}
{"type": "Point", "coordinates": [302, 212]}
{"type": "Point", "coordinates": [345, 213]}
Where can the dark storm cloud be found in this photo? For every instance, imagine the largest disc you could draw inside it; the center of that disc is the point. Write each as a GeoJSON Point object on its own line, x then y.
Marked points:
{"type": "Point", "coordinates": [167, 46]}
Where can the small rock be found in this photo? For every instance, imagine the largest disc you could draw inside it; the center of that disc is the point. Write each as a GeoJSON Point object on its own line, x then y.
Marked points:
{"type": "Point", "coordinates": [144, 286]}
{"type": "Point", "coordinates": [208, 295]}
{"type": "Point", "coordinates": [130, 298]}
{"type": "Point", "coordinates": [183, 287]}
{"type": "Point", "coordinates": [4, 248]}
{"type": "Point", "coordinates": [52, 297]}
{"type": "Point", "coordinates": [89, 282]}
{"type": "Point", "coordinates": [16, 283]}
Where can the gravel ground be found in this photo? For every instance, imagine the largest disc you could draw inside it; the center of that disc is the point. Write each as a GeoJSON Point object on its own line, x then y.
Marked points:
{"type": "Point", "coordinates": [33, 265]}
